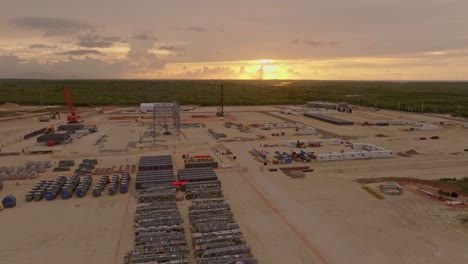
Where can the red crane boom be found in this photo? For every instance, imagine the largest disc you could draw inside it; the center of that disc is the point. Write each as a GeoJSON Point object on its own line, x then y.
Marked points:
{"type": "Point", "coordinates": [72, 117]}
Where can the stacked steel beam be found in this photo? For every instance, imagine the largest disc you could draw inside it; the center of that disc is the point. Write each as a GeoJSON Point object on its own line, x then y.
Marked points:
{"type": "Point", "coordinates": [216, 236]}
{"type": "Point", "coordinates": [159, 230]}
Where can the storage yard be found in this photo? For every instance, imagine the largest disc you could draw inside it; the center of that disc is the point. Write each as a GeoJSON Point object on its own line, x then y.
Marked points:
{"type": "Point", "coordinates": [263, 184]}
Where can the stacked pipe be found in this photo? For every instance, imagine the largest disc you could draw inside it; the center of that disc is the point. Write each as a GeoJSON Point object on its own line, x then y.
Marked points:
{"type": "Point", "coordinates": [86, 166]}
{"type": "Point", "coordinates": [124, 181]}
{"type": "Point", "coordinates": [200, 190]}
{"type": "Point", "coordinates": [69, 187]}
{"type": "Point", "coordinates": [216, 236]}
{"type": "Point", "coordinates": [37, 191]}
{"type": "Point", "coordinates": [84, 186]}
{"type": "Point", "coordinates": [100, 185]}
{"type": "Point", "coordinates": [53, 190]}
{"type": "Point", "coordinates": [114, 185]}
{"type": "Point", "coordinates": [159, 231]}
{"type": "Point", "coordinates": [158, 192]}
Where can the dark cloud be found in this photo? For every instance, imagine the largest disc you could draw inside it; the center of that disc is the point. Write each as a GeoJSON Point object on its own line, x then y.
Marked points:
{"type": "Point", "coordinates": [142, 37]}
{"type": "Point", "coordinates": [171, 48]}
{"type": "Point", "coordinates": [94, 41]}
{"type": "Point", "coordinates": [52, 26]}
{"type": "Point", "coordinates": [41, 46]}
{"type": "Point", "coordinates": [295, 41]}
{"type": "Point", "coordinates": [112, 38]}
{"type": "Point", "coordinates": [194, 29]}
{"type": "Point", "coordinates": [317, 44]}
{"type": "Point", "coordinates": [80, 52]}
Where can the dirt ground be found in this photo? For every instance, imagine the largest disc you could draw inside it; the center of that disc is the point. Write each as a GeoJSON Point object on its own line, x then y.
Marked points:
{"type": "Point", "coordinates": [323, 218]}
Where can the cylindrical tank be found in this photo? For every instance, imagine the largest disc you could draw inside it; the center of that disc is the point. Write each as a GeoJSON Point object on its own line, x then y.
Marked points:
{"type": "Point", "coordinates": [9, 201]}
{"type": "Point", "coordinates": [69, 187]}
{"type": "Point", "coordinates": [84, 186]}
{"type": "Point", "coordinates": [53, 190]}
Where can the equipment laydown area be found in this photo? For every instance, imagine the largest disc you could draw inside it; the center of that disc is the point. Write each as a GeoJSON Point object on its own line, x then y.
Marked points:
{"type": "Point", "coordinates": [261, 184]}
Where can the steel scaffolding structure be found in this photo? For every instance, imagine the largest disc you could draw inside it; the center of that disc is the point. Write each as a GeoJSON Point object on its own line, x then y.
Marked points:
{"type": "Point", "coordinates": [166, 119]}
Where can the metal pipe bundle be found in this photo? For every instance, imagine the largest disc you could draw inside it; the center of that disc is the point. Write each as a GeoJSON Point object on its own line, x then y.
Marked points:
{"type": "Point", "coordinates": [114, 185]}
{"type": "Point", "coordinates": [53, 190]}
{"type": "Point", "coordinates": [84, 186]}
{"type": "Point", "coordinates": [124, 182]}
{"type": "Point", "coordinates": [100, 185]}
{"type": "Point", "coordinates": [69, 187]}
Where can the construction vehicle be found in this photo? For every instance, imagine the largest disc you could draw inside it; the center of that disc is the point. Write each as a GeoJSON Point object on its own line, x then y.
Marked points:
{"type": "Point", "coordinates": [44, 119]}
{"type": "Point", "coordinates": [72, 117]}
{"type": "Point", "coordinates": [300, 144]}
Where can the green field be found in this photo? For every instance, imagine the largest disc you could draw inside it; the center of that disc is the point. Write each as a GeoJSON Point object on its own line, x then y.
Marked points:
{"type": "Point", "coordinates": [437, 97]}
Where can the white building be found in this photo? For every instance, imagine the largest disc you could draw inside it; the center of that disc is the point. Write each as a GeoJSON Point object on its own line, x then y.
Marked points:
{"type": "Point", "coordinates": [381, 154]}
{"type": "Point", "coordinates": [357, 145]}
{"type": "Point", "coordinates": [427, 127]}
{"type": "Point", "coordinates": [146, 107]}
{"type": "Point", "coordinates": [285, 125]}
{"type": "Point", "coordinates": [356, 155]}
{"type": "Point", "coordinates": [329, 157]}
{"type": "Point", "coordinates": [306, 130]}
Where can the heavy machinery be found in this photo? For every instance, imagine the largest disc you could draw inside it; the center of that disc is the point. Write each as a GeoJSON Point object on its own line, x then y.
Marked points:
{"type": "Point", "coordinates": [72, 117]}
{"type": "Point", "coordinates": [220, 112]}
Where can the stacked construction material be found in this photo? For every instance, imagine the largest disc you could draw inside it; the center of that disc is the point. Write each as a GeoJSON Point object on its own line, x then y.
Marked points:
{"type": "Point", "coordinates": [200, 183]}
{"type": "Point", "coordinates": [53, 190]}
{"type": "Point", "coordinates": [114, 185]}
{"type": "Point", "coordinates": [154, 170]}
{"type": "Point", "coordinates": [37, 191]}
{"type": "Point", "coordinates": [159, 230]}
{"type": "Point", "coordinates": [70, 127]}
{"type": "Point", "coordinates": [86, 166]}
{"type": "Point", "coordinates": [330, 119]}
{"type": "Point", "coordinates": [34, 133]}
{"type": "Point", "coordinates": [203, 190]}
{"type": "Point", "coordinates": [197, 175]}
{"type": "Point", "coordinates": [29, 170]}
{"type": "Point", "coordinates": [56, 138]}
{"type": "Point", "coordinates": [100, 185]}
{"type": "Point", "coordinates": [160, 192]}
{"type": "Point", "coordinates": [200, 161]}
{"type": "Point", "coordinates": [216, 236]}
{"type": "Point", "coordinates": [65, 165]}
{"type": "Point", "coordinates": [124, 182]}
{"type": "Point", "coordinates": [69, 187]}
{"type": "Point", "coordinates": [84, 186]}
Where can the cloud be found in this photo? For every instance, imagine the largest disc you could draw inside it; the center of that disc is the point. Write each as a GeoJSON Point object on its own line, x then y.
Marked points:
{"type": "Point", "coordinates": [194, 29]}
{"type": "Point", "coordinates": [80, 52]}
{"type": "Point", "coordinates": [94, 41]}
{"type": "Point", "coordinates": [42, 46]}
{"type": "Point", "coordinates": [145, 37]}
{"type": "Point", "coordinates": [317, 44]}
{"type": "Point", "coordinates": [209, 73]}
{"type": "Point", "coordinates": [112, 38]}
{"type": "Point", "coordinates": [52, 26]}
{"type": "Point", "coordinates": [171, 48]}
{"type": "Point", "coordinates": [295, 41]}
{"type": "Point", "coordinates": [139, 56]}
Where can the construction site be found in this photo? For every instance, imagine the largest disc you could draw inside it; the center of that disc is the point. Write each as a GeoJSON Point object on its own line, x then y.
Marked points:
{"type": "Point", "coordinates": [152, 183]}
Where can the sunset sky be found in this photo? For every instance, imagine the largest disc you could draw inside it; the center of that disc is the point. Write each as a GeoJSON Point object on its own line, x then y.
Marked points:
{"type": "Point", "coordinates": [217, 39]}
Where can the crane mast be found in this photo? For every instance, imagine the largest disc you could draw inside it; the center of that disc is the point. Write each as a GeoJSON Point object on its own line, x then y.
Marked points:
{"type": "Point", "coordinates": [72, 117]}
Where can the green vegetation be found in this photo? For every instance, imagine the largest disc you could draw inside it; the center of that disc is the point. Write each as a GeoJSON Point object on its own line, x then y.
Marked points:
{"type": "Point", "coordinates": [437, 97]}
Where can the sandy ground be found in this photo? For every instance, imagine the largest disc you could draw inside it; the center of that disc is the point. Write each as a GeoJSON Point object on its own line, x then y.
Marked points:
{"type": "Point", "coordinates": [324, 218]}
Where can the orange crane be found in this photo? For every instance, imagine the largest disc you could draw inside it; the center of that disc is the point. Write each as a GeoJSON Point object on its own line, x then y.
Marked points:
{"type": "Point", "coordinates": [72, 117]}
